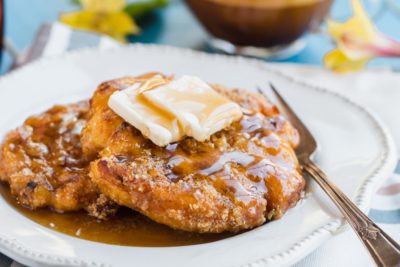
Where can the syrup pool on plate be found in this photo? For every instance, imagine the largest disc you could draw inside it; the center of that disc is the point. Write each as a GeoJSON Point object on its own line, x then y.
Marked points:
{"type": "Point", "coordinates": [127, 228]}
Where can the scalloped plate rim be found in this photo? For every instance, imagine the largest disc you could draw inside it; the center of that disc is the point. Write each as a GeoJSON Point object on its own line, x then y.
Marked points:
{"type": "Point", "coordinates": [12, 247]}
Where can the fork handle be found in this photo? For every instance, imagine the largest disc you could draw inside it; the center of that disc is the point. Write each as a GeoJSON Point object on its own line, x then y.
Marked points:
{"type": "Point", "coordinates": [383, 249]}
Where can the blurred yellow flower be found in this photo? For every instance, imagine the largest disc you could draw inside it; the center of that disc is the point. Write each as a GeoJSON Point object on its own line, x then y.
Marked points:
{"type": "Point", "coordinates": [102, 16]}
{"type": "Point", "coordinates": [103, 5]}
{"type": "Point", "coordinates": [357, 42]}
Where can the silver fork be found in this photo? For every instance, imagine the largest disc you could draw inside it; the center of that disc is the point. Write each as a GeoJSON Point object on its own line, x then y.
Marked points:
{"type": "Point", "coordinates": [383, 249]}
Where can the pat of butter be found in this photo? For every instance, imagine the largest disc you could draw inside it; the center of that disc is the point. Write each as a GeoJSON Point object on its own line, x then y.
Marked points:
{"type": "Point", "coordinates": [201, 110]}
{"type": "Point", "coordinates": [161, 127]}
{"type": "Point", "coordinates": [170, 110]}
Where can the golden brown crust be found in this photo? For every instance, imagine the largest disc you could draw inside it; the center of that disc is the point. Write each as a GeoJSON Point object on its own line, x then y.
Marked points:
{"type": "Point", "coordinates": [102, 120]}
{"type": "Point", "coordinates": [171, 185]}
{"type": "Point", "coordinates": [242, 176]}
{"type": "Point", "coordinates": [43, 163]}
{"type": "Point", "coordinates": [192, 205]}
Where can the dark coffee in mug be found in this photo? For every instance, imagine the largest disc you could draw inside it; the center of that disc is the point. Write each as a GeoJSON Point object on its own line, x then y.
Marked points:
{"type": "Point", "coordinates": [259, 23]}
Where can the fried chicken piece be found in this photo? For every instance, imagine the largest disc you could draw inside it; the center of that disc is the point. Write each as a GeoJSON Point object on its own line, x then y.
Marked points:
{"type": "Point", "coordinates": [244, 175]}
{"type": "Point", "coordinates": [43, 163]}
{"type": "Point", "coordinates": [103, 121]}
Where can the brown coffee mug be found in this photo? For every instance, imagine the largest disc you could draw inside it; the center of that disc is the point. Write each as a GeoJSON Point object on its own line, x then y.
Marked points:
{"type": "Point", "coordinates": [257, 25]}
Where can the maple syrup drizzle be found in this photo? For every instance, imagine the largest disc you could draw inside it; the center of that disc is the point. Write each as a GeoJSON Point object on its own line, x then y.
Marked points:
{"type": "Point", "coordinates": [264, 151]}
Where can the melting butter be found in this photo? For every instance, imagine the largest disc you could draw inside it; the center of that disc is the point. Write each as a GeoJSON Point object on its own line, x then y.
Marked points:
{"type": "Point", "coordinates": [165, 112]}
{"type": "Point", "coordinates": [158, 125]}
{"type": "Point", "coordinates": [200, 109]}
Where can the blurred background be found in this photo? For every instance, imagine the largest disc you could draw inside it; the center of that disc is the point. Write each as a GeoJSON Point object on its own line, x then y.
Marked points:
{"type": "Point", "coordinates": [175, 25]}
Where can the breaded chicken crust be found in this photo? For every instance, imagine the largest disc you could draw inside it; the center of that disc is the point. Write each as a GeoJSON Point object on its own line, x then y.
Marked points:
{"type": "Point", "coordinates": [43, 163]}
{"type": "Point", "coordinates": [103, 121]}
{"type": "Point", "coordinates": [244, 175]}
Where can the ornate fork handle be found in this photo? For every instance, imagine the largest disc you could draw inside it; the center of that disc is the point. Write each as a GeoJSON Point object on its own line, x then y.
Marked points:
{"type": "Point", "coordinates": [383, 249]}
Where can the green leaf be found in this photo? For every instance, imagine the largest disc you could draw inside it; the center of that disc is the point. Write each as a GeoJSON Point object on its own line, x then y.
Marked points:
{"type": "Point", "coordinates": [76, 2]}
{"type": "Point", "coordinates": [142, 7]}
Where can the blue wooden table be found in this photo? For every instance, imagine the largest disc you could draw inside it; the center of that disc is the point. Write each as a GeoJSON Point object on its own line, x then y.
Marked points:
{"type": "Point", "coordinates": [175, 26]}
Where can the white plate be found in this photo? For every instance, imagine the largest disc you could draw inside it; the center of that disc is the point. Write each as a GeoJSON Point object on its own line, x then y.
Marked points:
{"type": "Point", "coordinates": [356, 151]}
